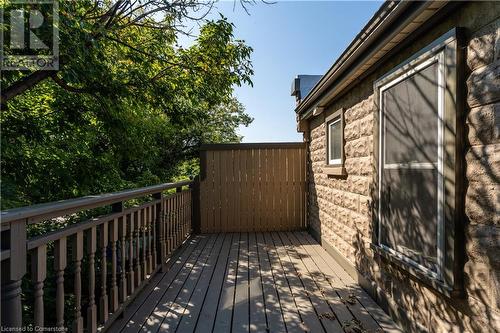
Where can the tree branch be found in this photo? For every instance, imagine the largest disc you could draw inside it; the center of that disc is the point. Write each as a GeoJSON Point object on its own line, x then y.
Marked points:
{"type": "Point", "coordinates": [24, 84]}
{"type": "Point", "coordinates": [63, 84]}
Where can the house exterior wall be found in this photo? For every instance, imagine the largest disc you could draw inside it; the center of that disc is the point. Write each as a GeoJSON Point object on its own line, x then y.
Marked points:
{"type": "Point", "coordinates": [339, 208]}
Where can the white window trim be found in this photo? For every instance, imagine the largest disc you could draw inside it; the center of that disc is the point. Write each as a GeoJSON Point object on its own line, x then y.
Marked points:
{"type": "Point", "coordinates": [334, 161]}
{"type": "Point", "coordinates": [439, 58]}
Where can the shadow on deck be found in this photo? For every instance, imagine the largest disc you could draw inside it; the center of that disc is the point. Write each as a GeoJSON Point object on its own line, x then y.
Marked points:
{"type": "Point", "coordinates": [253, 282]}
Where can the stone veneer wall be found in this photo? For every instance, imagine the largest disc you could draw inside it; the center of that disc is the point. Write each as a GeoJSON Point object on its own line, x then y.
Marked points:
{"type": "Point", "coordinates": [339, 207]}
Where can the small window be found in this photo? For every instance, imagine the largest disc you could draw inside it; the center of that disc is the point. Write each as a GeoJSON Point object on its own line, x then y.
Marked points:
{"type": "Point", "coordinates": [334, 142]}
{"type": "Point", "coordinates": [415, 159]}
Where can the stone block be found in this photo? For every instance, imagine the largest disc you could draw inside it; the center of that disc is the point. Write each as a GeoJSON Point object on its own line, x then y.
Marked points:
{"type": "Point", "coordinates": [483, 85]}
{"type": "Point", "coordinates": [366, 125]}
{"type": "Point", "coordinates": [484, 46]}
{"type": "Point", "coordinates": [359, 147]}
{"type": "Point", "coordinates": [483, 164]}
{"type": "Point", "coordinates": [484, 125]}
{"type": "Point", "coordinates": [351, 131]}
{"type": "Point", "coordinates": [482, 203]}
{"type": "Point", "coordinates": [483, 244]}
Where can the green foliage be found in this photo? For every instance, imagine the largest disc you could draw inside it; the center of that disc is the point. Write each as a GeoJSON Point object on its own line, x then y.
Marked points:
{"type": "Point", "coordinates": [128, 108]}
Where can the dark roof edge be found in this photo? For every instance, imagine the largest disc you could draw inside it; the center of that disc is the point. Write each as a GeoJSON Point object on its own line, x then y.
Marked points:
{"type": "Point", "coordinates": [381, 22]}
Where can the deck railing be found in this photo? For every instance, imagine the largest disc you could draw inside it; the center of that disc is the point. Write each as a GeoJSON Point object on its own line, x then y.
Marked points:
{"type": "Point", "coordinates": [96, 266]}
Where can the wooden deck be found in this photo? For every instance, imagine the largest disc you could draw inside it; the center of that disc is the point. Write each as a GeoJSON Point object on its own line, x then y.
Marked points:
{"type": "Point", "coordinates": [253, 282]}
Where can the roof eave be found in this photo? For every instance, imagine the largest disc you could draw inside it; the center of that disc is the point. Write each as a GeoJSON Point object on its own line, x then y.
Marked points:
{"type": "Point", "coordinates": [381, 23]}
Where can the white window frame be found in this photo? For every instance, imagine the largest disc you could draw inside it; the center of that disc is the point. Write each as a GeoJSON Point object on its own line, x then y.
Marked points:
{"type": "Point", "coordinates": [333, 161]}
{"type": "Point", "coordinates": [440, 60]}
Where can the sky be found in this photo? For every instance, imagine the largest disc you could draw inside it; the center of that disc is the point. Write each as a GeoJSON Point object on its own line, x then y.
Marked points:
{"type": "Point", "coordinates": [289, 38]}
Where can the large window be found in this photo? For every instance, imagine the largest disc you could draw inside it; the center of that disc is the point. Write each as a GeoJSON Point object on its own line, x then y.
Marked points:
{"type": "Point", "coordinates": [416, 161]}
{"type": "Point", "coordinates": [411, 165]}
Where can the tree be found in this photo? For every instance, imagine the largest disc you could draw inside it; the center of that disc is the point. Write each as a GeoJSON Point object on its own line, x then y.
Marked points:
{"type": "Point", "coordinates": [129, 107]}
{"type": "Point", "coordinates": [87, 24]}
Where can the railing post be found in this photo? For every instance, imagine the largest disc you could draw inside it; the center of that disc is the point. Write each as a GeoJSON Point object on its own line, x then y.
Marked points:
{"type": "Point", "coordinates": [13, 270]}
{"type": "Point", "coordinates": [195, 205]}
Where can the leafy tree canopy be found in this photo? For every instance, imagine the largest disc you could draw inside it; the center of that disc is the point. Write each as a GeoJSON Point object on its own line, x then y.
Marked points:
{"type": "Point", "coordinates": [128, 107]}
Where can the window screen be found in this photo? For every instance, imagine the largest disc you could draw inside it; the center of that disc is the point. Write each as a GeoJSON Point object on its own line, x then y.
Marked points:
{"type": "Point", "coordinates": [334, 142]}
{"type": "Point", "coordinates": [411, 119]}
{"type": "Point", "coordinates": [409, 173]}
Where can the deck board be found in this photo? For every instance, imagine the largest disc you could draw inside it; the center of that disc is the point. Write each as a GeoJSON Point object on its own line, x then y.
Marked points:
{"type": "Point", "coordinates": [252, 282]}
{"type": "Point", "coordinates": [291, 316]}
{"type": "Point", "coordinates": [206, 319]}
{"type": "Point", "coordinates": [156, 318]}
{"type": "Point", "coordinates": [142, 307]}
{"type": "Point", "coordinates": [194, 307]}
{"type": "Point", "coordinates": [258, 321]}
{"type": "Point", "coordinates": [302, 298]}
{"type": "Point", "coordinates": [224, 316]}
{"type": "Point", "coordinates": [178, 307]}
{"type": "Point", "coordinates": [272, 303]}
{"type": "Point", "coordinates": [241, 309]}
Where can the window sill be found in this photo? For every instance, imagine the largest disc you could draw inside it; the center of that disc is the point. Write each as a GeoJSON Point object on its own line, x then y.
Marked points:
{"type": "Point", "coordinates": [334, 170]}
{"type": "Point", "coordinates": [435, 284]}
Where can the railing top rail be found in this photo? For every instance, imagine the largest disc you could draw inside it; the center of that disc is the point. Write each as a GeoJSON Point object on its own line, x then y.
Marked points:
{"type": "Point", "coordinates": [63, 207]}
{"type": "Point", "coordinates": [259, 145]}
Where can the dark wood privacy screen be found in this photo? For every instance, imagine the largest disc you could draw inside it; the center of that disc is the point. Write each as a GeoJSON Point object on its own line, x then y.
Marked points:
{"type": "Point", "coordinates": [252, 187]}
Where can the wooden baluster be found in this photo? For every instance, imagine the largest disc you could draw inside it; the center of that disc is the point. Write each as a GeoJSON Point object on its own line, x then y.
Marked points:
{"type": "Point", "coordinates": [171, 222]}
{"type": "Point", "coordinates": [39, 273]}
{"type": "Point", "coordinates": [157, 232]}
{"type": "Point", "coordinates": [181, 217]}
{"type": "Point", "coordinates": [172, 219]}
{"type": "Point", "coordinates": [92, 308]}
{"type": "Point", "coordinates": [122, 222]}
{"type": "Point", "coordinates": [186, 210]}
{"type": "Point", "coordinates": [158, 221]}
{"type": "Point", "coordinates": [150, 239]}
{"type": "Point", "coordinates": [77, 258]}
{"type": "Point", "coordinates": [167, 215]}
{"type": "Point", "coordinates": [114, 265]}
{"type": "Point", "coordinates": [59, 266]}
{"type": "Point", "coordinates": [184, 205]}
{"type": "Point", "coordinates": [179, 205]}
{"type": "Point", "coordinates": [176, 221]}
{"type": "Point", "coordinates": [137, 234]}
{"type": "Point", "coordinates": [131, 284]}
{"type": "Point", "coordinates": [185, 214]}
{"type": "Point", "coordinates": [188, 213]}
{"type": "Point", "coordinates": [145, 240]}
{"type": "Point", "coordinates": [173, 214]}
{"type": "Point", "coordinates": [103, 302]}
{"type": "Point", "coordinates": [190, 210]}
